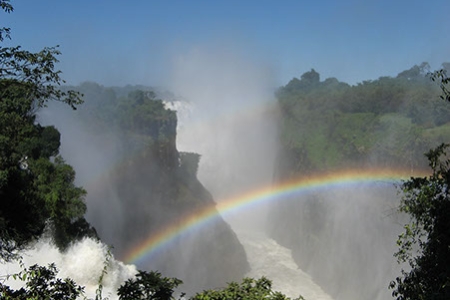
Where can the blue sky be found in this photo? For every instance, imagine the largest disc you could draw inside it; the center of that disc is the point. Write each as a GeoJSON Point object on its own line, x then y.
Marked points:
{"type": "Point", "coordinates": [135, 42]}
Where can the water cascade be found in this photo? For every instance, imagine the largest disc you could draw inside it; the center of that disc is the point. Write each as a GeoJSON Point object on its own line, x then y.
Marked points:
{"type": "Point", "coordinates": [233, 126]}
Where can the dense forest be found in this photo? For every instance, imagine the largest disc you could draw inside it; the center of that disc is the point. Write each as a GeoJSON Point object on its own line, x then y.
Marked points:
{"type": "Point", "coordinates": [390, 121]}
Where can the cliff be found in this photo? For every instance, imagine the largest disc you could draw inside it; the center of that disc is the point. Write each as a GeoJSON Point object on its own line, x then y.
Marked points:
{"type": "Point", "coordinates": [150, 186]}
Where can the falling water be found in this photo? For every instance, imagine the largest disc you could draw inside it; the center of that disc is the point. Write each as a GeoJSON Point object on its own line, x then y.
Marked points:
{"type": "Point", "coordinates": [267, 258]}
{"type": "Point", "coordinates": [232, 162]}
{"type": "Point", "coordinates": [83, 262]}
{"type": "Point", "coordinates": [230, 119]}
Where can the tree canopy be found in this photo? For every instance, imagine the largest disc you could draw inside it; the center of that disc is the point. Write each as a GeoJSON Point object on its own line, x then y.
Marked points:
{"type": "Point", "coordinates": [249, 288]}
{"type": "Point", "coordinates": [330, 124]}
{"type": "Point", "coordinates": [425, 244]}
{"type": "Point", "coordinates": [36, 186]}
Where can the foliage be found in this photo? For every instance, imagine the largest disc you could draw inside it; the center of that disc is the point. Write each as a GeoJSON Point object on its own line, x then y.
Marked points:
{"type": "Point", "coordinates": [249, 289]}
{"type": "Point", "coordinates": [36, 186]}
{"type": "Point", "coordinates": [141, 112]}
{"type": "Point", "coordinates": [106, 263]}
{"type": "Point", "coordinates": [34, 72]}
{"type": "Point", "coordinates": [425, 244]}
{"type": "Point", "coordinates": [149, 285]}
{"type": "Point", "coordinates": [135, 115]}
{"type": "Point", "coordinates": [41, 283]}
{"type": "Point", "coordinates": [443, 80]}
{"type": "Point", "coordinates": [5, 31]}
{"type": "Point", "coordinates": [330, 124]}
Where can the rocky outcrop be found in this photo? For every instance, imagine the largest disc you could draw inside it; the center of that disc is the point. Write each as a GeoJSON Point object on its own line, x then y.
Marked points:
{"type": "Point", "coordinates": [152, 187]}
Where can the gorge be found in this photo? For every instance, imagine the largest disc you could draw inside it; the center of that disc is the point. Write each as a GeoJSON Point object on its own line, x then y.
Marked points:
{"type": "Point", "coordinates": [339, 227]}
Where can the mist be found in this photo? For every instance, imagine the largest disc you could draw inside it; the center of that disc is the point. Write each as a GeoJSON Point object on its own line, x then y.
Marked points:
{"type": "Point", "coordinates": [227, 113]}
{"type": "Point", "coordinates": [231, 124]}
{"type": "Point", "coordinates": [232, 121]}
{"type": "Point", "coordinates": [83, 262]}
{"type": "Point", "coordinates": [224, 100]}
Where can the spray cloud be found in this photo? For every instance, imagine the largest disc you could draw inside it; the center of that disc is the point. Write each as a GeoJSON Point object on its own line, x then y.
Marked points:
{"type": "Point", "coordinates": [232, 121]}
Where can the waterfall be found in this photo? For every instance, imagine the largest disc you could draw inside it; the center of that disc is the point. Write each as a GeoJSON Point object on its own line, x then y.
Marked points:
{"type": "Point", "coordinates": [83, 262]}
{"type": "Point", "coordinates": [237, 155]}
{"type": "Point", "coordinates": [268, 258]}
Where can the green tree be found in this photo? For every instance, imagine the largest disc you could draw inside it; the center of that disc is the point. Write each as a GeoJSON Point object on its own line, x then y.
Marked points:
{"type": "Point", "coordinates": [36, 186]}
{"type": "Point", "coordinates": [249, 289]}
{"type": "Point", "coordinates": [41, 283]}
{"type": "Point", "coordinates": [311, 77]}
{"type": "Point", "coordinates": [5, 31]}
{"type": "Point", "coordinates": [425, 244]}
{"type": "Point", "coordinates": [443, 80]}
{"type": "Point", "coordinates": [149, 286]}
{"type": "Point", "coordinates": [143, 113]}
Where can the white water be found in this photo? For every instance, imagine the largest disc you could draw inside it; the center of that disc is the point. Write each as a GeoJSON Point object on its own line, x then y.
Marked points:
{"type": "Point", "coordinates": [83, 262]}
{"type": "Point", "coordinates": [267, 258]}
{"type": "Point", "coordinates": [231, 122]}
{"type": "Point", "coordinates": [237, 156]}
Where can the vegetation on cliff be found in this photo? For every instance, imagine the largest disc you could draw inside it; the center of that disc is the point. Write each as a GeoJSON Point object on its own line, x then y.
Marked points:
{"type": "Point", "coordinates": [386, 122]}
{"type": "Point", "coordinates": [153, 186]}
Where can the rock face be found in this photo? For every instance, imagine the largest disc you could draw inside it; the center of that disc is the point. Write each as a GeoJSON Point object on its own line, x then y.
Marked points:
{"type": "Point", "coordinates": [158, 187]}
{"type": "Point", "coordinates": [145, 185]}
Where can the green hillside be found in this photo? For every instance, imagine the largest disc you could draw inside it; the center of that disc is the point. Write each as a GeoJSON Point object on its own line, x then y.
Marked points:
{"type": "Point", "coordinates": [386, 122]}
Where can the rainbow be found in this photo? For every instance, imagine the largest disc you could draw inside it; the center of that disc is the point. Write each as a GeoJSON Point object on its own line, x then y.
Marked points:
{"type": "Point", "coordinates": [161, 239]}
